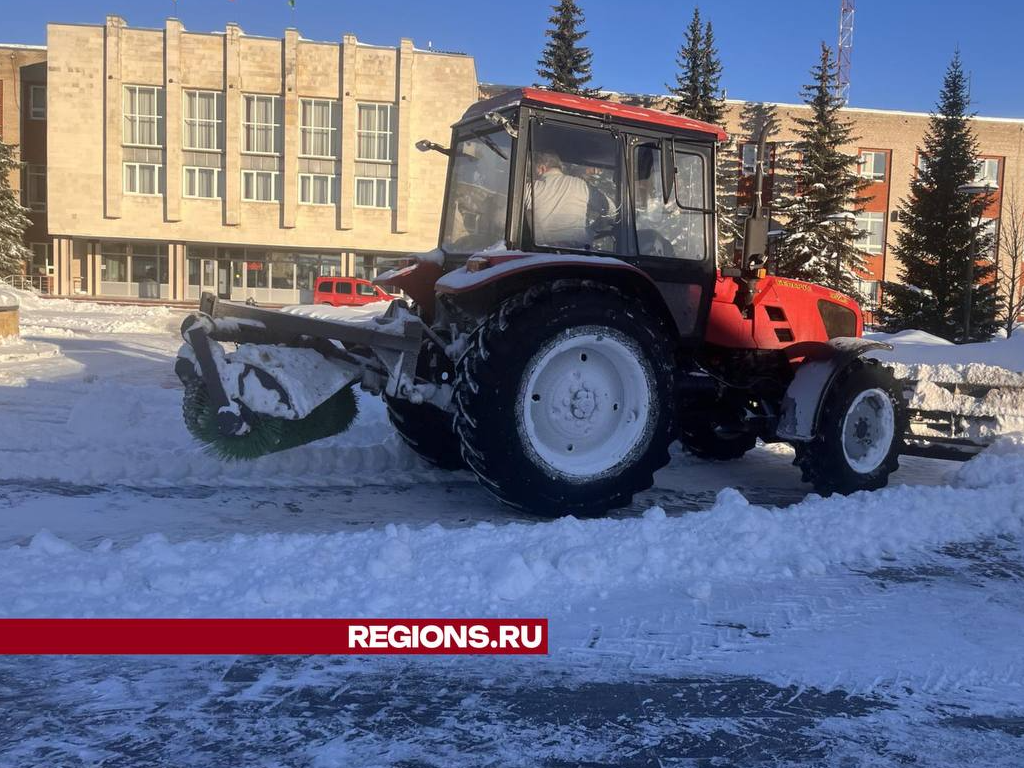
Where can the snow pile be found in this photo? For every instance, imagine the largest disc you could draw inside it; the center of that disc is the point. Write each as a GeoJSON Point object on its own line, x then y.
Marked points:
{"type": "Point", "coordinates": [133, 435]}
{"type": "Point", "coordinates": [983, 383]}
{"type": "Point", "coordinates": [9, 297]}
{"type": "Point", "coordinates": [555, 569]}
{"type": "Point", "coordinates": [16, 350]}
{"type": "Point", "coordinates": [67, 318]}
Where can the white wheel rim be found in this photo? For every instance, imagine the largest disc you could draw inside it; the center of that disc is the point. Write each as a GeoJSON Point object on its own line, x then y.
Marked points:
{"type": "Point", "coordinates": [868, 430]}
{"type": "Point", "coordinates": [585, 403]}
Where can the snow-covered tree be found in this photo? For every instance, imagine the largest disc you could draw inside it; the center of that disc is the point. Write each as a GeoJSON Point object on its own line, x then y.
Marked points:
{"type": "Point", "coordinates": [697, 92]}
{"type": "Point", "coordinates": [13, 217]}
{"type": "Point", "coordinates": [941, 219]}
{"type": "Point", "coordinates": [818, 213]}
{"type": "Point", "coordinates": [1011, 263]}
{"type": "Point", "coordinates": [565, 64]}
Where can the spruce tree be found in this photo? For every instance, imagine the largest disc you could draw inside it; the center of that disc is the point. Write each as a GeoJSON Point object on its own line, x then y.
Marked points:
{"type": "Point", "coordinates": [565, 64]}
{"type": "Point", "coordinates": [13, 218]}
{"type": "Point", "coordinates": [697, 92]}
{"type": "Point", "coordinates": [818, 213]}
{"type": "Point", "coordinates": [940, 218]}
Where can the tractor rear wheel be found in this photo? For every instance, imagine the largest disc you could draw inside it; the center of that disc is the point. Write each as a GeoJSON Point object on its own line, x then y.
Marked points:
{"type": "Point", "coordinates": [860, 432]}
{"type": "Point", "coordinates": [564, 399]}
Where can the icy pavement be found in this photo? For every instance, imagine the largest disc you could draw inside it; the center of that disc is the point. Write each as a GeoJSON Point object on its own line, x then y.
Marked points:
{"type": "Point", "coordinates": [751, 626]}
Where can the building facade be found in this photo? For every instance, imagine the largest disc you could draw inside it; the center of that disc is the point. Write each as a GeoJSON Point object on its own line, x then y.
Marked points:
{"type": "Point", "coordinates": [23, 123]}
{"type": "Point", "coordinates": [888, 148]}
{"type": "Point", "coordinates": [180, 162]}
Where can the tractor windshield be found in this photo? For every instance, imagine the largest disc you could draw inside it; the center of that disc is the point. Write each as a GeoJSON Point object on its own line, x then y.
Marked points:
{"type": "Point", "coordinates": [478, 192]}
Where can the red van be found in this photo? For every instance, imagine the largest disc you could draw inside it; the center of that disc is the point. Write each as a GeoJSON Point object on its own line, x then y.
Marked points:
{"type": "Point", "coordinates": [347, 292]}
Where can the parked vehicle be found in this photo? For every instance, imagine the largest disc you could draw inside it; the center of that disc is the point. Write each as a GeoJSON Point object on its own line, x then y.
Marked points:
{"type": "Point", "coordinates": [558, 352]}
{"type": "Point", "coordinates": [347, 292]}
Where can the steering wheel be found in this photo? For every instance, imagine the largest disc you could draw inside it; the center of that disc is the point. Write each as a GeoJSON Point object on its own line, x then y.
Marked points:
{"type": "Point", "coordinates": [653, 243]}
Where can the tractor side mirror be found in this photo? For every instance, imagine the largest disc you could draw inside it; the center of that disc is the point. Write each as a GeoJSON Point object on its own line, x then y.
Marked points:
{"type": "Point", "coordinates": [425, 145]}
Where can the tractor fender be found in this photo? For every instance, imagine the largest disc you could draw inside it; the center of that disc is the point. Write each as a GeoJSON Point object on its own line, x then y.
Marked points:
{"type": "Point", "coordinates": [504, 274]}
{"type": "Point", "coordinates": [821, 366]}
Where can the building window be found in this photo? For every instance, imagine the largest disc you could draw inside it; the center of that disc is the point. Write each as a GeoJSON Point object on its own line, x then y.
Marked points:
{"type": "Point", "coordinates": [35, 187]}
{"type": "Point", "coordinates": [988, 172]}
{"type": "Point", "coordinates": [143, 179]}
{"type": "Point", "coordinates": [201, 182]}
{"type": "Point", "coordinates": [873, 225]}
{"type": "Point", "coordinates": [990, 230]}
{"type": "Point", "coordinates": [318, 128]}
{"type": "Point", "coordinates": [375, 193]}
{"type": "Point", "coordinates": [203, 118]}
{"type": "Point", "coordinates": [872, 165]}
{"type": "Point", "coordinates": [142, 115]}
{"type": "Point", "coordinates": [37, 102]}
{"type": "Point", "coordinates": [316, 189]}
{"type": "Point", "coordinates": [114, 262]}
{"type": "Point", "coordinates": [366, 267]}
{"type": "Point", "coordinates": [42, 264]}
{"type": "Point", "coordinates": [261, 120]}
{"type": "Point", "coordinates": [749, 158]}
{"type": "Point", "coordinates": [261, 186]}
{"type": "Point", "coordinates": [376, 133]}
{"type": "Point", "coordinates": [869, 289]}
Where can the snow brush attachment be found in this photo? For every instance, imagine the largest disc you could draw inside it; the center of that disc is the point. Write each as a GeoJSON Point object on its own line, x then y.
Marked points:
{"type": "Point", "coordinates": [261, 398]}
{"type": "Point", "coordinates": [263, 434]}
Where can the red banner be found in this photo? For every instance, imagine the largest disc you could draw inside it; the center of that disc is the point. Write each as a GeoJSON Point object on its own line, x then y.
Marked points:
{"type": "Point", "coordinates": [273, 636]}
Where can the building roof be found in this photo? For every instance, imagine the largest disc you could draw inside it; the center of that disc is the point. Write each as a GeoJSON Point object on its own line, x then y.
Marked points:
{"type": "Point", "coordinates": [600, 107]}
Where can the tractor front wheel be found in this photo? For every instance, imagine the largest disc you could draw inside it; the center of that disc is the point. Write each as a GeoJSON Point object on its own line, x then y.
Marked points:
{"type": "Point", "coordinates": [564, 399]}
{"type": "Point", "coordinates": [860, 432]}
{"type": "Point", "coordinates": [427, 430]}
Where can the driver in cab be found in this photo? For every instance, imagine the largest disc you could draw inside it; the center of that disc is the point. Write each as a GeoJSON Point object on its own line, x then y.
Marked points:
{"type": "Point", "coordinates": [562, 207]}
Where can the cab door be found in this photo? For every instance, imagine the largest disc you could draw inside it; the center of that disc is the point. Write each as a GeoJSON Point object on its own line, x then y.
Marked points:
{"type": "Point", "coordinates": [673, 224]}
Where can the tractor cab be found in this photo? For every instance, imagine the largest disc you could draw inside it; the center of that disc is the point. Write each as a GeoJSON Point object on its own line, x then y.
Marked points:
{"type": "Point", "coordinates": [534, 172]}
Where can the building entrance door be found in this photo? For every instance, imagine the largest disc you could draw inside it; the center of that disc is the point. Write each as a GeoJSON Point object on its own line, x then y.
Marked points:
{"type": "Point", "coordinates": [208, 276]}
{"type": "Point", "coordinates": [224, 279]}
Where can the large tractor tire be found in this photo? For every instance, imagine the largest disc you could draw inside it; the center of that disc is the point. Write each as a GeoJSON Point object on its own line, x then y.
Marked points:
{"type": "Point", "coordinates": [564, 399]}
{"type": "Point", "coordinates": [428, 431]}
{"type": "Point", "coordinates": [860, 432]}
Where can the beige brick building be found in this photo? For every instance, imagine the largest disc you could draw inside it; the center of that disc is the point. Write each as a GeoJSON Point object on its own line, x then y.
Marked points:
{"type": "Point", "coordinates": [179, 162]}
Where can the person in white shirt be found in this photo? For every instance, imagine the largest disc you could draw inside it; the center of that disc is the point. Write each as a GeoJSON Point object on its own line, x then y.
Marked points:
{"type": "Point", "coordinates": [561, 207]}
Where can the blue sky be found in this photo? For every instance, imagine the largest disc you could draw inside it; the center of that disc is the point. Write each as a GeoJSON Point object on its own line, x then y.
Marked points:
{"type": "Point", "coordinates": [901, 46]}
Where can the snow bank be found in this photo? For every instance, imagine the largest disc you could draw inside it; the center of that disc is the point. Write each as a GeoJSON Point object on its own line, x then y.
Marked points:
{"type": "Point", "coordinates": [134, 435]}
{"type": "Point", "coordinates": [556, 569]}
{"type": "Point", "coordinates": [64, 318]}
{"type": "Point", "coordinates": [919, 347]}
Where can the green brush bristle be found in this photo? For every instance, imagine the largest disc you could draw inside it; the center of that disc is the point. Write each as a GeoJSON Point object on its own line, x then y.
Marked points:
{"type": "Point", "coordinates": [267, 434]}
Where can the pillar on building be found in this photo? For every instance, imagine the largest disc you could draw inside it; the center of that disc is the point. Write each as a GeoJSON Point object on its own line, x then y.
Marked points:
{"type": "Point", "coordinates": [290, 120]}
{"type": "Point", "coordinates": [349, 123]}
{"type": "Point", "coordinates": [62, 254]}
{"type": "Point", "coordinates": [232, 125]}
{"type": "Point", "coordinates": [92, 268]}
{"type": "Point", "coordinates": [113, 128]}
{"type": "Point", "coordinates": [403, 98]}
{"type": "Point", "coordinates": [177, 275]}
{"type": "Point", "coordinates": [172, 123]}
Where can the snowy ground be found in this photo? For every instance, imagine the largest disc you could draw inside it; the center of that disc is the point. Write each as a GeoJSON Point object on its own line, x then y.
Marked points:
{"type": "Point", "coordinates": [728, 618]}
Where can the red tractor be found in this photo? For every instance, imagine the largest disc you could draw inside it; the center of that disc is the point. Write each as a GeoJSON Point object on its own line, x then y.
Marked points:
{"type": "Point", "coordinates": [570, 326]}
